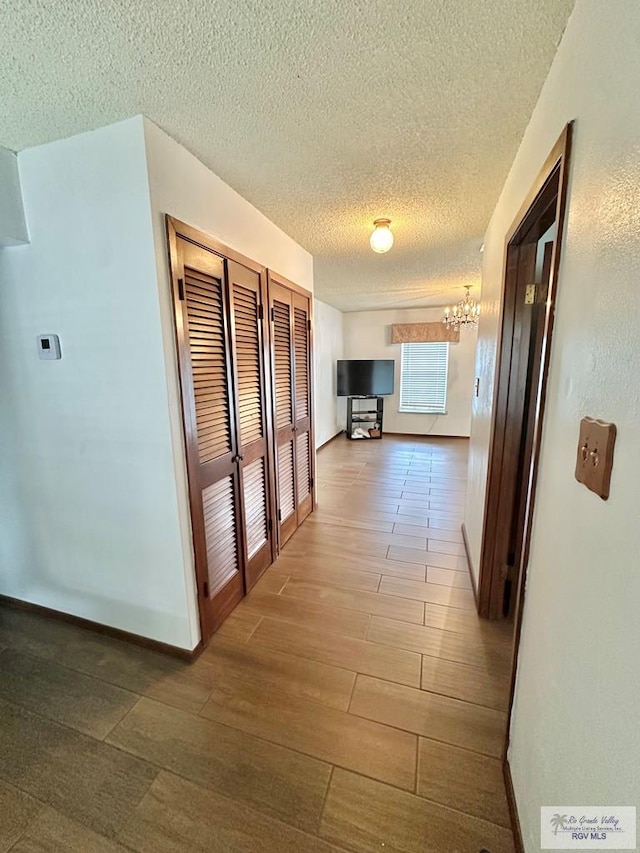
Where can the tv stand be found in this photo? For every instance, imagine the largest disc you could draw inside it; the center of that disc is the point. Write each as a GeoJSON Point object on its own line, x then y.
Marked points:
{"type": "Point", "coordinates": [366, 416]}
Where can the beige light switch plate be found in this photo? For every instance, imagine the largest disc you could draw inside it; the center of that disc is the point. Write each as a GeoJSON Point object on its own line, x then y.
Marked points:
{"type": "Point", "coordinates": [595, 455]}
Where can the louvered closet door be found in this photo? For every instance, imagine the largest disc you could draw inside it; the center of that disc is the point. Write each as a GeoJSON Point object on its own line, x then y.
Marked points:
{"type": "Point", "coordinates": [282, 357]}
{"type": "Point", "coordinates": [209, 412]}
{"type": "Point", "coordinates": [302, 409]}
{"type": "Point", "coordinates": [248, 334]}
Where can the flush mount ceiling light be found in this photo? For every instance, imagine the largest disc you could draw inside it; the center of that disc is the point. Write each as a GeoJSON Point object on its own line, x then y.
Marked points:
{"type": "Point", "coordinates": [465, 313]}
{"type": "Point", "coordinates": [381, 239]}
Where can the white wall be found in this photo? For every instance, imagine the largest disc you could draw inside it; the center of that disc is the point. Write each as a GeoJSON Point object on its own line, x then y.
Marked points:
{"type": "Point", "coordinates": [13, 229]}
{"type": "Point", "coordinates": [575, 722]}
{"type": "Point", "coordinates": [183, 187]}
{"type": "Point", "coordinates": [328, 342]}
{"type": "Point", "coordinates": [87, 492]}
{"type": "Point", "coordinates": [93, 489]}
{"type": "Point", "coordinates": [367, 335]}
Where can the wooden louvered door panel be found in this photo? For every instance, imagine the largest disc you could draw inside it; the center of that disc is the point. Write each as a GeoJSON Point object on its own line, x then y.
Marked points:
{"type": "Point", "coordinates": [202, 315]}
{"type": "Point", "coordinates": [281, 304]}
{"type": "Point", "coordinates": [302, 409]}
{"type": "Point", "coordinates": [248, 335]}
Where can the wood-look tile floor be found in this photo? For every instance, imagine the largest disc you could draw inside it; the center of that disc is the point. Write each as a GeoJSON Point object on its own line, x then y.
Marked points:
{"type": "Point", "coordinates": [353, 701]}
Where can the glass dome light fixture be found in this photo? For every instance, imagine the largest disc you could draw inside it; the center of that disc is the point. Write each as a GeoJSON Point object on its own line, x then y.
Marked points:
{"type": "Point", "coordinates": [464, 313]}
{"type": "Point", "coordinates": [382, 237]}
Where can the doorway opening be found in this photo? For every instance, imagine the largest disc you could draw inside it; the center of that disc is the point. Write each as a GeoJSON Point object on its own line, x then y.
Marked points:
{"type": "Point", "coordinates": [532, 258]}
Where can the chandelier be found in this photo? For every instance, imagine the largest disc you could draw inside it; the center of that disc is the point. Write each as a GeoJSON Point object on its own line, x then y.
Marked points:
{"type": "Point", "coordinates": [465, 313]}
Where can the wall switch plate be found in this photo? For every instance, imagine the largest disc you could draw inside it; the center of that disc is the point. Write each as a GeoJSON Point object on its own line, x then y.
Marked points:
{"type": "Point", "coordinates": [49, 347]}
{"type": "Point", "coordinates": [595, 455]}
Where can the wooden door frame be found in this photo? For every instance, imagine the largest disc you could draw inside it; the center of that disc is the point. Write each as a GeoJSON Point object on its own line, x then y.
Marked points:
{"type": "Point", "coordinates": [175, 229]}
{"type": "Point", "coordinates": [558, 159]}
{"type": "Point", "coordinates": [556, 163]}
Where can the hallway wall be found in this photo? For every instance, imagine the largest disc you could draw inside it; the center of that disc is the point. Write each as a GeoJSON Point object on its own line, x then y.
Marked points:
{"type": "Point", "coordinates": [93, 496]}
{"type": "Point", "coordinates": [185, 188]}
{"type": "Point", "coordinates": [367, 335]}
{"type": "Point", "coordinates": [87, 490]}
{"type": "Point", "coordinates": [328, 343]}
{"type": "Point", "coordinates": [13, 228]}
{"type": "Point", "coordinates": [574, 726]}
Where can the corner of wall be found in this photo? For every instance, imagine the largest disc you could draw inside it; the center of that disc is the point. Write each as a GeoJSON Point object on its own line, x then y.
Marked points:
{"type": "Point", "coordinates": [582, 586]}
{"type": "Point", "coordinates": [13, 224]}
{"type": "Point", "coordinates": [182, 186]}
{"type": "Point", "coordinates": [89, 484]}
{"type": "Point", "coordinates": [165, 306]}
{"type": "Point", "coordinates": [330, 410]}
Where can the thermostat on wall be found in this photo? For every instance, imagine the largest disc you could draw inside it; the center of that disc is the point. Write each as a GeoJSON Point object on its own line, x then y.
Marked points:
{"type": "Point", "coordinates": [49, 347]}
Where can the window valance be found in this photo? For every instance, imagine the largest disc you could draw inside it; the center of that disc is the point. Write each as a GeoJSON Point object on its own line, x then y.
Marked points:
{"type": "Point", "coordinates": [423, 333]}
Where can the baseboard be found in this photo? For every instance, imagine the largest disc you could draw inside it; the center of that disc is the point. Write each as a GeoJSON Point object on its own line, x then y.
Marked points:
{"type": "Point", "coordinates": [98, 628]}
{"type": "Point", "coordinates": [469, 563]}
{"type": "Point", "coordinates": [426, 435]}
{"type": "Point", "coordinates": [513, 808]}
{"type": "Point", "coordinates": [506, 769]}
{"type": "Point", "coordinates": [333, 438]}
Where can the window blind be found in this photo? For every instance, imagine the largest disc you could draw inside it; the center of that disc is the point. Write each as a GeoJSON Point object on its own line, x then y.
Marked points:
{"type": "Point", "coordinates": [423, 378]}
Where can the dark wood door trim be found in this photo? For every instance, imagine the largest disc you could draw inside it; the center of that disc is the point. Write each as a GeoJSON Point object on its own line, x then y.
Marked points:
{"type": "Point", "coordinates": [513, 366]}
{"type": "Point", "coordinates": [551, 180]}
{"type": "Point", "coordinates": [562, 151]}
{"type": "Point", "coordinates": [188, 232]}
{"type": "Point", "coordinates": [536, 202]}
{"type": "Point", "coordinates": [536, 343]}
{"type": "Point", "coordinates": [276, 278]}
{"type": "Point", "coordinates": [186, 402]}
{"type": "Point", "coordinates": [518, 838]}
{"type": "Point", "coordinates": [312, 396]}
{"type": "Point", "coordinates": [558, 157]}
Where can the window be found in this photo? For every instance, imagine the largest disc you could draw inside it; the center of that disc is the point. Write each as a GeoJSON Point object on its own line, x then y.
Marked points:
{"type": "Point", "coordinates": [423, 378]}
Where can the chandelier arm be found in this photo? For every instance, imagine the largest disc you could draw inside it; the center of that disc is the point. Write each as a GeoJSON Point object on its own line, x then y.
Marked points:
{"type": "Point", "coordinates": [464, 313]}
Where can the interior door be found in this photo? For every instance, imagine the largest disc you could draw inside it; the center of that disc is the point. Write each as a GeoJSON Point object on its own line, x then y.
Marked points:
{"type": "Point", "coordinates": [302, 409]}
{"type": "Point", "coordinates": [282, 309]}
{"type": "Point", "coordinates": [202, 315]}
{"type": "Point", "coordinates": [248, 333]}
{"type": "Point", "coordinates": [534, 368]}
{"type": "Point", "coordinates": [516, 365]}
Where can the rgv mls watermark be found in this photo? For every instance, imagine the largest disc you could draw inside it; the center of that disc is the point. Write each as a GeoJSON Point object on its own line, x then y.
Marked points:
{"type": "Point", "coordinates": [588, 828]}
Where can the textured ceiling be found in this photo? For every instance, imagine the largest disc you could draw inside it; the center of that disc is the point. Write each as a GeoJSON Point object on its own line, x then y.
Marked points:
{"type": "Point", "coordinates": [324, 113]}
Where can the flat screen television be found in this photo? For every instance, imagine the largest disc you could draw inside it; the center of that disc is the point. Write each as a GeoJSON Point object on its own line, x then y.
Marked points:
{"type": "Point", "coordinates": [372, 378]}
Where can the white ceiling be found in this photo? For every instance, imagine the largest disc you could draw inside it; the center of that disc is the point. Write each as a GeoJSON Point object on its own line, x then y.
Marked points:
{"type": "Point", "coordinates": [324, 113]}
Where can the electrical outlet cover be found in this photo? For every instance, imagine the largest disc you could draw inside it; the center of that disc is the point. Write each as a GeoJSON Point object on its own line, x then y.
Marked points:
{"type": "Point", "coordinates": [594, 460]}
